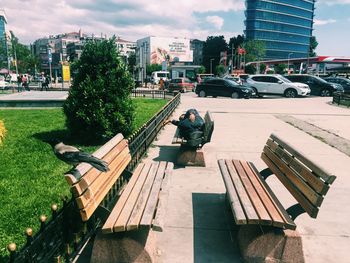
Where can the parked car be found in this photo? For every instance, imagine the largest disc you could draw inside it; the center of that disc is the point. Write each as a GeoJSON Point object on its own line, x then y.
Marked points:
{"type": "Point", "coordinates": [234, 78]}
{"type": "Point", "coordinates": [4, 84]}
{"type": "Point", "coordinates": [342, 81]}
{"type": "Point", "coordinates": [181, 85]}
{"type": "Point", "coordinates": [317, 85]}
{"type": "Point", "coordinates": [223, 87]}
{"type": "Point", "coordinates": [276, 85]}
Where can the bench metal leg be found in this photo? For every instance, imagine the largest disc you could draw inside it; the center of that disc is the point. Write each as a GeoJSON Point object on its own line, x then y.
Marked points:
{"type": "Point", "coordinates": [266, 173]}
{"type": "Point", "coordinates": [295, 210]}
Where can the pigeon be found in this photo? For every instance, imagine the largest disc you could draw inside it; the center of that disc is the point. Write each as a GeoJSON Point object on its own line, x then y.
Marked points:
{"type": "Point", "coordinates": [74, 156]}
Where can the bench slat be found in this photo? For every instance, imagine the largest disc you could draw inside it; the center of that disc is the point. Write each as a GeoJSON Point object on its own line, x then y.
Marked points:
{"type": "Point", "coordinates": [115, 213]}
{"type": "Point", "coordinates": [309, 208]}
{"type": "Point", "coordinates": [314, 181]}
{"type": "Point", "coordinates": [112, 158]}
{"type": "Point", "coordinates": [294, 178]}
{"type": "Point", "coordinates": [326, 176]}
{"type": "Point", "coordinates": [120, 224]}
{"type": "Point", "coordinates": [289, 222]}
{"type": "Point", "coordinates": [98, 186]}
{"type": "Point", "coordinates": [276, 216]}
{"type": "Point", "coordinates": [164, 169]}
{"type": "Point", "coordinates": [100, 153]}
{"type": "Point", "coordinates": [251, 215]}
{"type": "Point", "coordinates": [235, 203]}
{"type": "Point", "coordinates": [264, 217]}
{"type": "Point", "coordinates": [99, 196]}
{"type": "Point", "coordinates": [135, 218]}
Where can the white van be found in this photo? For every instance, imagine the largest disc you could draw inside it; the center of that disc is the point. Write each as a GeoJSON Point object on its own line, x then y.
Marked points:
{"type": "Point", "coordinates": [156, 75]}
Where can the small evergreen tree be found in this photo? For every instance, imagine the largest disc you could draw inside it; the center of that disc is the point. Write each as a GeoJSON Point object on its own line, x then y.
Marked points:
{"type": "Point", "coordinates": [99, 103]}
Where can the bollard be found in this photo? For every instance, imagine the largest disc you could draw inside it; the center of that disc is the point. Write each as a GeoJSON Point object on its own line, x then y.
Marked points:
{"type": "Point", "coordinates": [54, 208]}
{"type": "Point", "coordinates": [12, 249]}
{"type": "Point", "coordinates": [29, 234]}
{"type": "Point", "coordinates": [42, 220]}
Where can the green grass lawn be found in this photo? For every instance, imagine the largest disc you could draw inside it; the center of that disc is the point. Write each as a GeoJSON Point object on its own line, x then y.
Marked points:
{"type": "Point", "coordinates": [31, 177]}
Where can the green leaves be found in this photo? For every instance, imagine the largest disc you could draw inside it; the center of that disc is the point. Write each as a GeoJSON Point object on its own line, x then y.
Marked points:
{"type": "Point", "coordinates": [99, 103]}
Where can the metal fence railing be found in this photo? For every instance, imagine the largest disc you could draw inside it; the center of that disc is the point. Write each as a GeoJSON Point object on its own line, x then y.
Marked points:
{"type": "Point", "coordinates": [155, 94]}
{"type": "Point", "coordinates": [341, 99]}
{"type": "Point", "coordinates": [61, 238]}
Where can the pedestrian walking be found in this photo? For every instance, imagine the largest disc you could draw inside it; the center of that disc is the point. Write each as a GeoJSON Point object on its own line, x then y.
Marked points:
{"type": "Point", "coordinates": [19, 83]}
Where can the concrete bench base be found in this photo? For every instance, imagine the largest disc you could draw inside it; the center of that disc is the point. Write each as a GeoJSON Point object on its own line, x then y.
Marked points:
{"type": "Point", "coordinates": [190, 157]}
{"type": "Point", "coordinates": [121, 247]}
{"type": "Point", "coordinates": [268, 244]}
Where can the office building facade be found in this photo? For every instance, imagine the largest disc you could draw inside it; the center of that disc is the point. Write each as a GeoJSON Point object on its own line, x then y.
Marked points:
{"type": "Point", "coordinates": [4, 43]}
{"type": "Point", "coordinates": [285, 26]}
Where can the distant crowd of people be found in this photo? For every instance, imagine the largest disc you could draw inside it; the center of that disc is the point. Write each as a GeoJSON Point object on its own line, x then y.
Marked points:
{"type": "Point", "coordinates": [23, 83]}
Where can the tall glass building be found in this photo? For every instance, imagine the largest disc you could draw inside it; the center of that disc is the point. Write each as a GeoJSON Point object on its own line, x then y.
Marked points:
{"type": "Point", "coordinates": [284, 25]}
{"type": "Point", "coordinates": [3, 40]}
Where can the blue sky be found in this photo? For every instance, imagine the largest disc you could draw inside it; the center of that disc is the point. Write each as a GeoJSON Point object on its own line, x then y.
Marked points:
{"type": "Point", "coordinates": [134, 19]}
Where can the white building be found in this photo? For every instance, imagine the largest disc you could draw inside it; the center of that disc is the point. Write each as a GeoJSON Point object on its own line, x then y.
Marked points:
{"type": "Point", "coordinates": [125, 47]}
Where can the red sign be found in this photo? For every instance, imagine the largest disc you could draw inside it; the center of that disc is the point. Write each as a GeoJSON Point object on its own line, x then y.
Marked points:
{"type": "Point", "coordinates": [241, 51]}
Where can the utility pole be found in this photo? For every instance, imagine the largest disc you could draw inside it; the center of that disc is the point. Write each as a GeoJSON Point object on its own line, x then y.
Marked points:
{"type": "Point", "coordinates": [231, 59]}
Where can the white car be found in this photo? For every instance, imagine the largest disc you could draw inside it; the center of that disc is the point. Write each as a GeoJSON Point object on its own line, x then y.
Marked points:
{"type": "Point", "coordinates": [277, 85]}
{"type": "Point", "coordinates": [4, 84]}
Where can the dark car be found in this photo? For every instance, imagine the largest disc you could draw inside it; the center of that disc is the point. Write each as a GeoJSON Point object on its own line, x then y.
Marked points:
{"type": "Point", "coordinates": [223, 87]}
{"type": "Point", "coordinates": [317, 85]}
{"type": "Point", "coordinates": [342, 81]}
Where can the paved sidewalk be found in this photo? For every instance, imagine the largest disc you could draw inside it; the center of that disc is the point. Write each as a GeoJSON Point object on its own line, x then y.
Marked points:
{"type": "Point", "coordinates": [197, 225]}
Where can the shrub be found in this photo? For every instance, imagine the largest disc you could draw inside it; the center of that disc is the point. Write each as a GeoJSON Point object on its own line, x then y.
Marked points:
{"type": "Point", "coordinates": [99, 103]}
{"type": "Point", "coordinates": [2, 131]}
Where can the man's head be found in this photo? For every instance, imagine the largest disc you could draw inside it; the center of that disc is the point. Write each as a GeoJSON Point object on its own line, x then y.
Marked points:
{"type": "Point", "coordinates": [192, 117]}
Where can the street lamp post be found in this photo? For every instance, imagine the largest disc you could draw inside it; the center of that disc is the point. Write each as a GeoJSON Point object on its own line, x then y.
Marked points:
{"type": "Point", "coordinates": [211, 66]}
{"type": "Point", "coordinates": [288, 61]}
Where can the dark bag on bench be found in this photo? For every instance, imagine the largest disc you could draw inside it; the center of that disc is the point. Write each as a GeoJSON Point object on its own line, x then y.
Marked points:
{"type": "Point", "coordinates": [195, 139]}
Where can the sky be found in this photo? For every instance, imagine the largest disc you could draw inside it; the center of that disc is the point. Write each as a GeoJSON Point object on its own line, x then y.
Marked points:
{"type": "Point", "coordinates": [135, 19]}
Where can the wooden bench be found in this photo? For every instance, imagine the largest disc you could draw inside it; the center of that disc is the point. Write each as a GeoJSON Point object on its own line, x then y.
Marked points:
{"type": "Point", "coordinates": [137, 204]}
{"type": "Point", "coordinates": [259, 213]}
{"type": "Point", "coordinates": [253, 202]}
{"type": "Point", "coordinates": [190, 150]}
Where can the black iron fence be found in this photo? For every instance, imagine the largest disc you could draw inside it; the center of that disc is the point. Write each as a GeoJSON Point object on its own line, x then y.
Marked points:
{"type": "Point", "coordinates": [61, 238]}
{"type": "Point", "coordinates": [155, 94]}
{"type": "Point", "coordinates": [341, 99]}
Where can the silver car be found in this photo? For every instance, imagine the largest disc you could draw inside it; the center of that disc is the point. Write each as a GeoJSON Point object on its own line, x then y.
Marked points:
{"type": "Point", "coordinates": [277, 85]}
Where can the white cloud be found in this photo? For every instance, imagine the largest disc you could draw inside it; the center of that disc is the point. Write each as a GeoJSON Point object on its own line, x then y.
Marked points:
{"type": "Point", "coordinates": [217, 21]}
{"type": "Point", "coordinates": [131, 19]}
{"type": "Point", "coordinates": [318, 22]}
{"type": "Point", "coordinates": [333, 2]}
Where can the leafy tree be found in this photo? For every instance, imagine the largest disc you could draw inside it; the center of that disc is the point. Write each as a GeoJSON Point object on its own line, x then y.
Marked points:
{"type": "Point", "coordinates": [99, 104]}
{"type": "Point", "coordinates": [313, 46]}
{"type": "Point", "coordinates": [220, 70]}
{"type": "Point", "coordinates": [262, 67]}
{"type": "Point", "coordinates": [201, 70]}
{"type": "Point", "coordinates": [153, 67]}
{"type": "Point", "coordinates": [25, 60]}
{"type": "Point", "coordinates": [212, 48]}
{"type": "Point", "coordinates": [250, 69]}
{"type": "Point", "coordinates": [132, 63]}
{"type": "Point", "coordinates": [280, 68]}
{"type": "Point", "coordinates": [235, 42]}
{"type": "Point", "coordinates": [255, 50]}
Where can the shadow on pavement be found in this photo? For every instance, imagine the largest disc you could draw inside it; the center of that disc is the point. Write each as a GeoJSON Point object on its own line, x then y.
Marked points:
{"type": "Point", "coordinates": [214, 231]}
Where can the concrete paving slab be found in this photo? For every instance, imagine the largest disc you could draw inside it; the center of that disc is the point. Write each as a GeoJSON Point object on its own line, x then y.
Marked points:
{"type": "Point", "coordinates": [241, 130]}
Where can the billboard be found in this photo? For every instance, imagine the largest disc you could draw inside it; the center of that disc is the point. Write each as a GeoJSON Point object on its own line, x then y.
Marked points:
{"type": "Point", "coordinates": [172, 49]}
{"type": "Point", "coordinates": [66, 72]}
